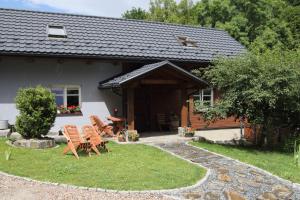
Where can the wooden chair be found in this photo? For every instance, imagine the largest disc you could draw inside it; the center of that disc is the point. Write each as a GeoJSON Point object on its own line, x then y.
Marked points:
{"type": "Point", "coordinates": [94, 138]}
{"type": "Point", "coordinates": [162, 121]}
{"type": "Point", "coordinates": [75, 141]}
{"type": "Point", "coordinates": [100, 127]}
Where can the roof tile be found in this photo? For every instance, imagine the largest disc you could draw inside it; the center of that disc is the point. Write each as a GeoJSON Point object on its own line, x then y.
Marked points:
{"type": "Point", "coordinates": [25, 31]}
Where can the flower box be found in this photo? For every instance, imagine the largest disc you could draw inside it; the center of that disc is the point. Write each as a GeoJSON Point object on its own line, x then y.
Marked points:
{"type": "Point", "coordinates": [69, 111]}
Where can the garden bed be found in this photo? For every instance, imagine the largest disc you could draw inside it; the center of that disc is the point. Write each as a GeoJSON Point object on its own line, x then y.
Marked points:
{"type": "Point", "coordinates": [126, 167]}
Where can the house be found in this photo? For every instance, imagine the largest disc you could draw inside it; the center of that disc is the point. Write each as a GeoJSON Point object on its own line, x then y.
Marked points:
{"type": "Point", "coordinates": [104, 65]}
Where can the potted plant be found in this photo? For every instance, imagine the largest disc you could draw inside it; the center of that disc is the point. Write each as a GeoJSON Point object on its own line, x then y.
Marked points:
{"type": "Point", "coordinates": [188, 132]}
{"type": "Point", "coordinates": [133, 136]}
{"type": "Point", "coordinates": [122, 136]}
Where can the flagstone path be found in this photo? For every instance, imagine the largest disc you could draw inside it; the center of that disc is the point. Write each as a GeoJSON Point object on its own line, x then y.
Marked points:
{"type": "Point", "coordinates": [230, 179]}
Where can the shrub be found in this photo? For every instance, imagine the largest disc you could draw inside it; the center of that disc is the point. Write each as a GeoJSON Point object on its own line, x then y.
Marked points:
{"type": "Point", "coordinates": [37, 112]}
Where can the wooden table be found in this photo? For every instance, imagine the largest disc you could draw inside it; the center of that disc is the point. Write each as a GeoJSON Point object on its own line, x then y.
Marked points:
{"type": "Point", "coordinates": [118, 124]}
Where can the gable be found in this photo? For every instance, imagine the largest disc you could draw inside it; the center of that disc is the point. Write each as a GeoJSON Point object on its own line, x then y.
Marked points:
{"type": "Point", "coordinates": [146, 70]}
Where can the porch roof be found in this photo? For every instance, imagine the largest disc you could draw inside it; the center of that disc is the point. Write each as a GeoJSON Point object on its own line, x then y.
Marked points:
{"type": "Point", "coordinates": [120, 80]}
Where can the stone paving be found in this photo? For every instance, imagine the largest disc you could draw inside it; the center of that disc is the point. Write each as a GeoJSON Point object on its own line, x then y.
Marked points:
{"type": "Point", "coordinates": [230, 179]}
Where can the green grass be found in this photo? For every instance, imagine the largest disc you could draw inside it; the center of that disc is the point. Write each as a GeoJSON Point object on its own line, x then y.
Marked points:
{"type": "Point", "coordinates": [277, 163]}
{"type": "Point", "coordinates": [126, 167]}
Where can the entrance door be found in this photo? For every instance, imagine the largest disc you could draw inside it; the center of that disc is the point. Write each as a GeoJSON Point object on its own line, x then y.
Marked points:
{"type": "Point", "coordinates": [151, 101]}
{"type": "Point", "coordinates": [142, 111]}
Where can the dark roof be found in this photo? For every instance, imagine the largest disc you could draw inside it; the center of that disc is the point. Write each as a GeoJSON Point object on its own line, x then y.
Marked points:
{"type": "Point", "coordinates": [25, 32]}
{"type": "Point", "coordinates": [125, 78]}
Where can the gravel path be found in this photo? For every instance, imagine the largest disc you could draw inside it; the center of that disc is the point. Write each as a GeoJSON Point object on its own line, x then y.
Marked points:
{"type": "Point", "coordinates": [230, 179]}
{"type": "Point", "coordinates": [19, 189]}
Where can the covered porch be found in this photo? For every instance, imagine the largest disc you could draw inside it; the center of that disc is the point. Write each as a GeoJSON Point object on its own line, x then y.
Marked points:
{"type": "Point", "coordinates": [155, 96]}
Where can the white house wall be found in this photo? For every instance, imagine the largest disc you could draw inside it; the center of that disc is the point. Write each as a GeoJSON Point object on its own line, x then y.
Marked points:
{"type": "Point", "coordinates": [17, 72]}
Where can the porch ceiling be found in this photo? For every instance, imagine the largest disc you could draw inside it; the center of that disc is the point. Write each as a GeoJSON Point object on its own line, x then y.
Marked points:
{"type": "Point", "coordinates": [151, 69]}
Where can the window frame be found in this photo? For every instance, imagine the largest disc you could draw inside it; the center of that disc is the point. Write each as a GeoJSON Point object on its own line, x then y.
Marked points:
{"type": "Point", "coordinates": [201, 96]}
{"type": "Point", "coordinates": [65, 93]}
{"type": "Point", "coordinates": [58, 36]}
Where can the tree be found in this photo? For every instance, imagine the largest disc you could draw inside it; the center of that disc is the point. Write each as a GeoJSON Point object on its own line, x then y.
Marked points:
{"type": "Point", "coordinates": [268, 24]}
{"type": "Point", "coordinates": [135, 13]}
{"type": "Point", "coordinates": [163, 11]}
{"type": "Point", "coordinates": [37, 112]}
{"type": "Point", "coordinates": [262, 88]}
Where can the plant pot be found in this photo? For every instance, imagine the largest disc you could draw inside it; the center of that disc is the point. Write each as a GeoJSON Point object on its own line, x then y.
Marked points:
{"type": "Point", "coordinates": [121, 139]}
{"type": "Point", "coordinates": [189, 134]}
{"type": "Point", "coordinates": [3, 124]}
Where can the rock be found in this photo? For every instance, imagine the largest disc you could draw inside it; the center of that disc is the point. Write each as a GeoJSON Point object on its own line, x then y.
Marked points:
{"type": "Point", "coordinates": [282, 192]}
{"type": "Point", "coordinates": [211, 196]}
{"type": "Point", "coordinates": [15, 136]}
{"type": "Point", "coordinates": [224, 177]}
{"type": "Point", "coordinates": [4, 133]}
{"type": "Point", "coordinates": [253, 184]}
{"type": "Point", "coordinates": [58, 138]}
{"type": "Point", "coordinates": [35, 143]}
{"type": "Point", "coordinates": [193, 195]}
{"type": "Point", "coordinates": [232, 195]}
{"type": "Point", "coordinates": [241, 175]}
{"type": "Point", "coordinates": [267, 196]}
{"type": "Point", "coordinates": [223, 171]}
{"type": "Point", "coordinates": [248, 182]}
{"type": "Point", "coordinates": [256, 173]}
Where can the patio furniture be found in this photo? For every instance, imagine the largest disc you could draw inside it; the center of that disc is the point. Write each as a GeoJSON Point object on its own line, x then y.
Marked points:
{"type": "Point", "coordinates": [118, 124]}
{"type": "Point", "coordinates": [94, 138]}
{"type": "Point", "coordinates": [162, 121]}
{"type": "Point", "coordinates": [74, 141]}
{"type": "Point", "coordinates": [101, 127]}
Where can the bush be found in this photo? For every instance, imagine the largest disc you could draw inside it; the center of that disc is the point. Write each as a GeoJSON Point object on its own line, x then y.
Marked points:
{"type": "Point", "coordinates": [37, 112]}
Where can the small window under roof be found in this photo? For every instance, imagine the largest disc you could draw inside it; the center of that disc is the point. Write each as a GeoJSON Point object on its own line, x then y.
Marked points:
{"type": "Point", "coordinates": [56, 31]}
{"type": "Point", "coordinates": [186, 41]}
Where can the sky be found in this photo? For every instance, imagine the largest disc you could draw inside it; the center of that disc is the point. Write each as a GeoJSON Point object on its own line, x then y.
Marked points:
{"type": "Point", "coordinates": [108, 8]}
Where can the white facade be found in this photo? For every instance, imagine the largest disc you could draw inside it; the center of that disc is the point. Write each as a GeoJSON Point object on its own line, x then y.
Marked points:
{"type": "Point", "coordinates": [17, 72]}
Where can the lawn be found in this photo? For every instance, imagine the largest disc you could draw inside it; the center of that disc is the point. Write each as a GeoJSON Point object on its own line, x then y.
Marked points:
{"type": "Point", "coordinates": [126, 167]}
{"type": "Point", "coordinates": [277, 163]}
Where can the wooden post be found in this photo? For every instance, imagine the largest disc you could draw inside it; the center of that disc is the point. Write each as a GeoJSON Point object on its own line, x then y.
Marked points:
{"type": "Point", "coordinates": [184, 108]}
{"type": "Point", "coordinates": [130, 108]}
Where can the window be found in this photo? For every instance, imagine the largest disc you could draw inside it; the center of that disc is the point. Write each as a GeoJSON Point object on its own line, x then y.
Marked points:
{"type": "Point", "coordinates": [186, 41]}
{"type": "Point", "coordinates": [67, 96]}
{"type": "Point", "coordinates": [55, 31]}
{"type": "Point", "coordinates": [204, 99]}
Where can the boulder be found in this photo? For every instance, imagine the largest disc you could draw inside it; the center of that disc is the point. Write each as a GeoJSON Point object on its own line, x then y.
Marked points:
{"type": "Point", "coordinates": [15, 136]}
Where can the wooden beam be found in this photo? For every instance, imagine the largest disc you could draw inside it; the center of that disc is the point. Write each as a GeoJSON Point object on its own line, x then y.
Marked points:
{"type": "Point", "coordinates": [184, 108]}
{"type": "Point", "coordinates": [158, 81]}
{"type": "Point", "coordinates": [130, 108]}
